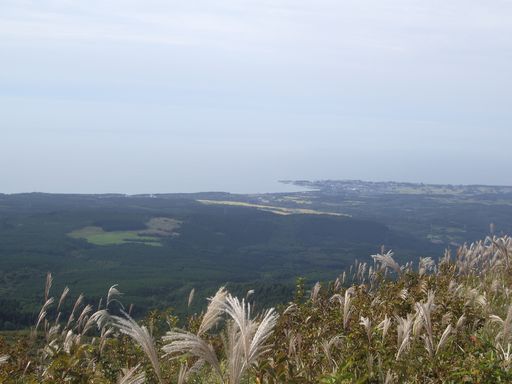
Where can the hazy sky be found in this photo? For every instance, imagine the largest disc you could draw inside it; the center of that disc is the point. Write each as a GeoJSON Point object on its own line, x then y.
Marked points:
{"type": "Point", "coordinates": [168, 96]}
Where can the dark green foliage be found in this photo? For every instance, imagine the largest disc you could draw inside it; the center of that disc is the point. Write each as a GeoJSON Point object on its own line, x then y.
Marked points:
{"type": "Point", "coordinates": [217, 244]}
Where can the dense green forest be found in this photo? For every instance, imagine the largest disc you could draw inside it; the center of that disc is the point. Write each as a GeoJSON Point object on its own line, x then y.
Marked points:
{"type": "Point", "coordinates": [159, 247]}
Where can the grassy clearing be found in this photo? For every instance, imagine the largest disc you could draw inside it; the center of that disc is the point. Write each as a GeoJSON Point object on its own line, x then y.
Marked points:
{"type": "Point", "coordinates": [273, 209]}
{"type": "Point", "coordinates": [157, 228]}
{"type": "Point", "coordinates": [97, 236]}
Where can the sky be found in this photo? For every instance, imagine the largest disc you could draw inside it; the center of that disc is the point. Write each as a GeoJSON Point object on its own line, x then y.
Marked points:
{"type": "Point", "coordinates": [182, 96]}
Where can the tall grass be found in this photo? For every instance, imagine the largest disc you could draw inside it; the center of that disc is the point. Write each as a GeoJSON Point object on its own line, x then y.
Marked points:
{"type": "Point", "coordinates": [448, 320]}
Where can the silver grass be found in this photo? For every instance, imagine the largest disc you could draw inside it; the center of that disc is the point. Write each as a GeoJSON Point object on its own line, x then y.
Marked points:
{"type": "Point", "coordinates": [473, 296]}
{"type": "Point", "coordinates": [361, 272]}
{"type": "Point", "coordinates": [263, 331]}
{"type": "Point", "coordinates": [481, 300]}
{"type": "Point", "coordinates": [294, 345]}
{"type": "Point", "coordinates": [182, 374]}
{"type": "Point", "coordinates": [347, 307]}
{"type": "Point", "coordinates": [54, 330]}
{"type": "Point", "coordinates": [234, 353]}
{"type": "Point", "coordinates": [446, 257]}
{"type": "Point", "coordinates": [240, 313]}
{"type": "Point", "coordinates": [196, 367]}
{"type": "Point", "coordinates": [460, 322]}
{"type": "Point", "coordinates": [113, 295]}
{"type": "Point", "coordinates": [57, 319]}
{"type": "Point", "coordinates": [370, 358]}
{"type": "Point", "coordinates": [105, 333]}
{"type": "Point", "coordinates": [452, 286]}
{"type": "Point", "coordinates": [377, 300]}
{"type": "Point", "coordinates": [185, 372]}
{"type": "Point", "coordinates": [428, 345]}
{"type": "Point", "coordinates": [142, 337]}
{"type": "Point", "coordinates": [249, 293]}
{"type": "Point", "coordinates": [43, 311]}
{"type": "Point", "coordinates": [336, 297]}
{"type": "Point", "coordinates": [191, 297]}
{"type": "Point", "coordinates": [327, 346]}
{"type": "Point", "coordinates": [506, 355]}
{"type": "Point", "coordinates": [51, 349]}
{"type": "Point", "coordinates": [403, 346]}
{"type": "Point", "coordinates": [48, 286]}
{"type": "Point", "coordinates": [384, 326]}
{"type": "Point", "coordinates": [423, 286]}
{"type": "Point", "coordinates": [182, 342]}
{"type": "Point", "coordinates": [417, 325]}
{"type": "Point", "coordinates": [426, 264]}
{"type": "Point", "coordinates": [26, 368]}
{"type": "Point", "coordinates": [101, 317]}
{"type": "Point", "coordinates": [444, 338]}
{"type": "Point", "coordinates": [68, 341]}
{"type": "Point", "coordinates": [386, 261]}
{"type": "Point", "coordinates": [213, 312]}
{"type": "Point", "coordinates": [501, 244]}
{"type": "Point", "coordinates": [291, 308]}
{"type": "Point", "coordinates": [367, 324]}
{"type": "Point", "coordinates": [492, 254]}
{"type": "Point", "coordinates": [496, 285]}
{"type": "Point", "coordinates": [425, 310]}
{"type": "Point", "coordinates": [63, 297]}
{"type": "Point", "coordinates": [506, 325]}
{"type": "Point", "coordinates": [83, 316]}
{"type": "Point", "coordinates": [245, 337]}
{"type": "Point", "coordinates": [315, 349]}
{"type": "Point", "coordinates": [447, 318]}
{"type": "Point", "coordinates": [403, 294]}
{"type": "Point", "coordinates": [337, 284]}
{"type": "Point", "coordinates": [129, 376]}
{"type": "Point", "coordinates": [315, 291]}
{"type": "Point", "coordinates": [403, 334]}
{"type": "Point", "coordinates": [89, 324]}
{"type": "Point", "coordinates": [371, 273]}
{"type": "Point", "coordinates": [78, 302]}
{"type": "Point", "coordinates": [390, 377]}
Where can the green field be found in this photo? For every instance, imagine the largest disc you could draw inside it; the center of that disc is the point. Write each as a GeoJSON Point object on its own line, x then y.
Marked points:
{"type": "Point", "coordinates": [156, 229]}
{"type": "Point", "coordinates": [97, 236]}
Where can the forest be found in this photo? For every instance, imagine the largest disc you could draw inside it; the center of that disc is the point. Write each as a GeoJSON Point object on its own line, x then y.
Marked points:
{"type": "Point", "coordinates": [159, 247]}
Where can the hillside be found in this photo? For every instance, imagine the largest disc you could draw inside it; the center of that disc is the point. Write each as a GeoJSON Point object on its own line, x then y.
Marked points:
{"type": "Point", "coordinates": [159, 247]}
{"type": "Point", "coordinates": [428, 322]}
